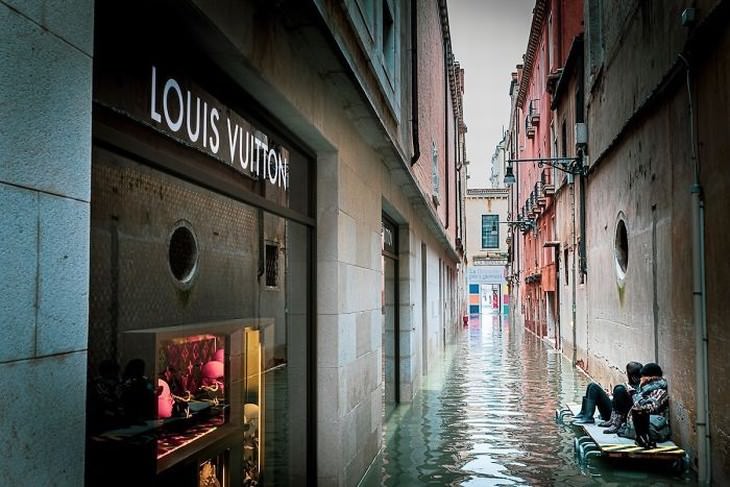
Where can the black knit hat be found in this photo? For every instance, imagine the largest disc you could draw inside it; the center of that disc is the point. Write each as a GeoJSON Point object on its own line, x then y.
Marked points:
{"type": "Point", "coordinates": [651, 370]}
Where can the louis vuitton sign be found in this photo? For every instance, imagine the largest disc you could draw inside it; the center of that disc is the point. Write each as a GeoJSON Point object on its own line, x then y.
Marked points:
{"type": "Point", "coordinates": [192, 116]}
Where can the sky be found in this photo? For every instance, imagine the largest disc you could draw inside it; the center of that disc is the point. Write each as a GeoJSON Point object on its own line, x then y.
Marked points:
{"type": "Point", "coordinates": [488, 38]}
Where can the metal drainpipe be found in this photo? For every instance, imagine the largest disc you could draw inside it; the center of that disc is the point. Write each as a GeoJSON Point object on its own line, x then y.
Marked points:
{"type": "Point", "coordinates": [581, 253]}
{"type": "Point", "coordinates": [573, 324]}
{"type": "Point", "coordinates": [447, 62]}
{"type": "Point", "coordinates": [414, 84]}
{"type": "Point", "coordinates": [704, 459]}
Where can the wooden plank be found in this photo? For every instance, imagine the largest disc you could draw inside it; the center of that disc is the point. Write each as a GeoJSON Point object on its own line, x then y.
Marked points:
{"type": "Point", "coordinates": [617, 446]}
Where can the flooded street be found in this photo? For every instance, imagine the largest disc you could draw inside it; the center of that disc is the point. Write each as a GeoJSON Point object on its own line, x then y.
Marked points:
{"type": "Point", "coordinates": [486, 416]}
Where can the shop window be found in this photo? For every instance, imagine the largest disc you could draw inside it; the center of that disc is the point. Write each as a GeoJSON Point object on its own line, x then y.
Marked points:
{"type": "Point", "coordinates": [272, 265]}
{"type": "Point", "coordinates": [175, 393]}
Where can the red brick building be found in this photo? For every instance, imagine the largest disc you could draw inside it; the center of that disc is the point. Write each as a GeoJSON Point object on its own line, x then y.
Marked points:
{"type": "Point", "coordinates": [534, 135]}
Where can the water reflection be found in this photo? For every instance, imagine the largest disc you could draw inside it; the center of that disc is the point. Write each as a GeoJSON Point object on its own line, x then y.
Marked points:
{"type": "Point", "coordinates": [486, 416]}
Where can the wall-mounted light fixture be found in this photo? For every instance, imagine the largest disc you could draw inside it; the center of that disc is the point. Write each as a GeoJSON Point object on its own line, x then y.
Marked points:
{"type": "Point", "coordinates": [570, 165]}
{"type": "Point", "coordinates": [524, 224]}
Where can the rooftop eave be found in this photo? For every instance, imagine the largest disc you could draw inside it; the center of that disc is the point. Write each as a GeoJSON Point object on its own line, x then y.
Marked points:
{"type": "Point", "coordinates": [538, 18]}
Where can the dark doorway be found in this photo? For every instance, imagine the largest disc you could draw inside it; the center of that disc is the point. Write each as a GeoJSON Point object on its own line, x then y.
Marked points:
{"type": "Point", "coordinates": [390, 317]}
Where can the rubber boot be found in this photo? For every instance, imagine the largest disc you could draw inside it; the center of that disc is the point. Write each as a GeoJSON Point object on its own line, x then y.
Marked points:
{"type": "Point", "coordinates": [590, 410]}
{"type": "Point", "coordinates": [609, 421]}
{"type": "Point", "coordinates": [641, 426]}
{"type": "Point", "coordinates": [582, 412]}
{"type": "Point", "coordinates": [617, 419]}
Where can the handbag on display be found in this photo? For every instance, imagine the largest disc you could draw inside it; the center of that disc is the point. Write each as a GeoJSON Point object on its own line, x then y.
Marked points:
{"type": "Point", "coordinates": [208, 477]}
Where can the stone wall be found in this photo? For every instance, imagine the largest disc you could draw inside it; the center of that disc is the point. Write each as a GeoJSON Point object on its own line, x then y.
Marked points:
{"type": "Point", "coordinates": [45, 89]}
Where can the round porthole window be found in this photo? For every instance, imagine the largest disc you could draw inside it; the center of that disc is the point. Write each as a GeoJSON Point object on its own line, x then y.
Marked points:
{"type": "Point", "coordinates": [183, 253]}
{"type": "Point", "coordinates": [621, 247]}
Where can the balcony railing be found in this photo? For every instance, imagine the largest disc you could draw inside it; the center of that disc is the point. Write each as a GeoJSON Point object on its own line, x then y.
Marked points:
{"type": "Point", "coordinates": [541, 199]}
{"type": "Point", "coordinates": [546, 178]}
{"type": "Point", "coordinates": [529, 128]}
{"type": "Point", "coordinates": [534, 112]}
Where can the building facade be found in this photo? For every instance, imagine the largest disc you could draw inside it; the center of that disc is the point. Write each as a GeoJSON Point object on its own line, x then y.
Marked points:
{"type": "Point", "coordinates": [656, 99]}
{"type": "Point", "coordinates": [487, 208]}
{"type": "Point", "coordinates": [533, 133]}
{"type": "Point", "coordinates": [486, 212]}
{"type": "Point", "coordinates": [569, 109]}
{"type": "Point", "coordinates": [250, 214]}
{"type": "Point", "coordinates": [637, 103]}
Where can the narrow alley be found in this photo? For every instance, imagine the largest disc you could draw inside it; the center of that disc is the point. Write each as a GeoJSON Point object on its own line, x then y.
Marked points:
{"type": "Point", "coordinates": [486, 416]}
{"type": "Point", "coordinates": [335, 243]}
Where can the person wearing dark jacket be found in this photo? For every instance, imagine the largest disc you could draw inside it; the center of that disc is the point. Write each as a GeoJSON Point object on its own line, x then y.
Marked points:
{"type": "Point", "coordinates": [652, 399]}
{"type": "Point", "coordinates": [612, 410]}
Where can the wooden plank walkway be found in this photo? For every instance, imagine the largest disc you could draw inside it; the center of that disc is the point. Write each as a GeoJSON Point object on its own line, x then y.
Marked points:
{"type": "Point", "coordinates": [597, 443]}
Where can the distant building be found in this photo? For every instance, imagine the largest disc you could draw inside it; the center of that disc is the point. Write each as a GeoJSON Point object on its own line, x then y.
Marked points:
{"type": "Point", "coordinates": [488, 234]}
{"type": "Point", "coordinates": [487, 237]}
{"type": "Point", "coordinates": [533, 136]}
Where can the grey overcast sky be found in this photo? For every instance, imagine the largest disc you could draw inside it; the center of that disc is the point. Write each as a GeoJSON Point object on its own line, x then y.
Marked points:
{"type": "Point", "coordinates": [488, 38]}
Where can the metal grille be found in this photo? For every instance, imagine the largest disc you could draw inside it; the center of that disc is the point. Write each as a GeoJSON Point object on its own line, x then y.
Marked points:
{"type": "Point", "coordinates": [272, 265]}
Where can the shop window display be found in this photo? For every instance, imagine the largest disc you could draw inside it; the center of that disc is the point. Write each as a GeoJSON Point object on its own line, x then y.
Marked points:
{"type": "Point", "coordinates": [202, 387]}
{"type": "Point", "coordinates": [184, 378]}
{"type": "Point", "coordinates": [212, 472]}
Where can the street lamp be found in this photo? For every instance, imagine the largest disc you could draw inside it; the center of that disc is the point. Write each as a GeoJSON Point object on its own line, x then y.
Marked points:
{"type": "Point", "coordinates": [509, 176]}
{"type": "Point", "coordinates": [570, 165]}
{"type": "Point", "coordinates": [524, 224]}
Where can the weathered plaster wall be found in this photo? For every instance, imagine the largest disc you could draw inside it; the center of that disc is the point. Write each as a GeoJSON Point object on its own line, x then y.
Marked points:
{"type": "Point", "coordinates": [713, 105]}
{"type": "Point", "coordinates": [647, 174]}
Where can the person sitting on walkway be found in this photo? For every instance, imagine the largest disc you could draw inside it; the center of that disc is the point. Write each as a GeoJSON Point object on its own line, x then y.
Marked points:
{"type": "Point", "coordinates": [623, 399]}
{"type": "Point", "coordinates": [613, 411]}
{"type": "Point", "coordinates": [651, 403]}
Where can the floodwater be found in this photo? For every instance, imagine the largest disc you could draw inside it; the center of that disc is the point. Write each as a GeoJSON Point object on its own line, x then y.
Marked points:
{"type": "Point", "coordinates": [486, 417]}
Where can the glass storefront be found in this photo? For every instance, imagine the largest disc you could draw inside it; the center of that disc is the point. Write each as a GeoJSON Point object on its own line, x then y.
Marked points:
{"type": "Point", "coordinates": [200, 306]}
{"type": "Point", "coordinates": [199, 316]}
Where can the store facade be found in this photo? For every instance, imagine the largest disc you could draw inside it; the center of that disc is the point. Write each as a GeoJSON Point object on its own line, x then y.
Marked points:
{"type": "Point", "coordinates": [200, 236]}
{"type": "Point", "coordinates": [201, 282]}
